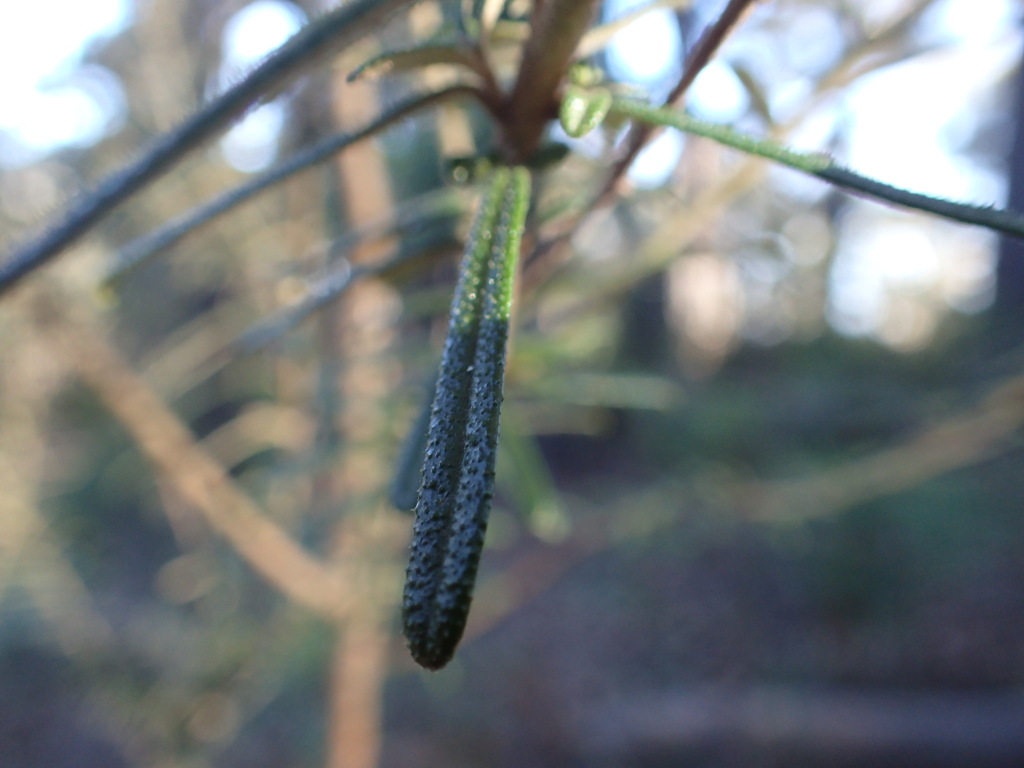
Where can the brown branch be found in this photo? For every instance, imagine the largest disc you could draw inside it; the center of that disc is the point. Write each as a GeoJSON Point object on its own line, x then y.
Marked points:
{"type": "Point", "coordinates": [702, 52]}
{"type": "Point", "coordinates": [356, 350]}
{"type": "Point", "coordinates": [369, 549]}
{"type": "Point", "coordinates": [194, 474]}
{"type": "Point", "coordinates": [556, 31]}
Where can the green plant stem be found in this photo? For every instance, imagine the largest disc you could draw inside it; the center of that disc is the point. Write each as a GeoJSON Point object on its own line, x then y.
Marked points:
{"type": "Point", "coordinates": [821, 166]}
{"type": "Point", "coordinates": [998, 219]}
{"type": "Point", "coordinates": [328, 34]}
{"type": "Point", "coordinates": [723, 134]}
{"type": "Point", "coordinates": [149, 245]}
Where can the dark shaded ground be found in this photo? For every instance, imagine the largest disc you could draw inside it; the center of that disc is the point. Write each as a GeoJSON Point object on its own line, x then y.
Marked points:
{"type": "Point", "coordinates": [888, 635]}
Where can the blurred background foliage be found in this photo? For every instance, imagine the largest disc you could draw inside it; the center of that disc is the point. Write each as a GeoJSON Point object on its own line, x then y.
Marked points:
{"type": "Point", "coordinates": [760, 485]}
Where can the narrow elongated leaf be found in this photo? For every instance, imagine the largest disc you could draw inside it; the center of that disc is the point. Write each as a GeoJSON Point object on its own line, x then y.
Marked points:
{"type": "Point", "coordinates": [458, 471]}
{"type": "Point", "coordinates": [821, 165]}
{"type": "Point", "coordinates": [443, 456]}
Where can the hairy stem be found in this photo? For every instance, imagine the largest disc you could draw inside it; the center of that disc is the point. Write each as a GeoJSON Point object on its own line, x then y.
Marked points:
{"type": "Point", "coordinates": [820, 165]}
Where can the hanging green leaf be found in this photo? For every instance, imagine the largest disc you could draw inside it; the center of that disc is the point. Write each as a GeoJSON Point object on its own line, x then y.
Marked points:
{"type": "Point", "coordinates": [458, 472]}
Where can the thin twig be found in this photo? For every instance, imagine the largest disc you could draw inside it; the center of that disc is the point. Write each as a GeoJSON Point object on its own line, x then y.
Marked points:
{"type": "Point", "coordinates": [706, 47]}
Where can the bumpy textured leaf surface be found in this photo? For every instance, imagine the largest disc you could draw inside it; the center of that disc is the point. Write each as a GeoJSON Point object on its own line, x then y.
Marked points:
{"type": "Point", "coordinates": [458, 472]}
